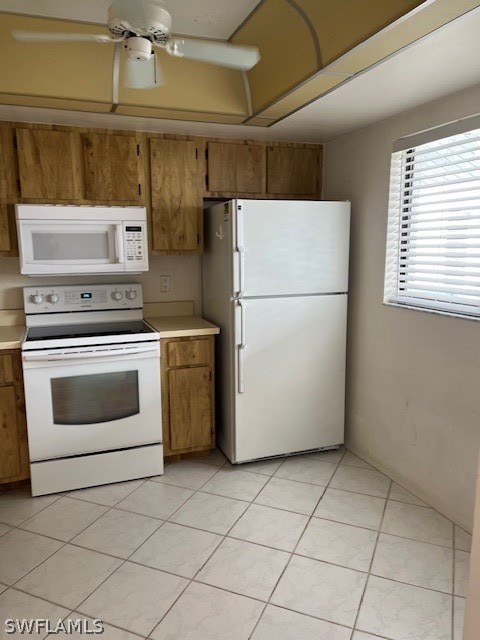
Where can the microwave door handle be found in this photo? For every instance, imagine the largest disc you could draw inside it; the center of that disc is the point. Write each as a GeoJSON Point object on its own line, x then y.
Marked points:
{"type": "Point", "coordinates": [120, 254]}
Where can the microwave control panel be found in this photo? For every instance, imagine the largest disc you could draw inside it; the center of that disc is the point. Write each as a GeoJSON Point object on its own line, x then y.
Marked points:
{"type": "Point", "coordinates": [94, 297]}
{"type": "Point", "coordinates": [134, 243]}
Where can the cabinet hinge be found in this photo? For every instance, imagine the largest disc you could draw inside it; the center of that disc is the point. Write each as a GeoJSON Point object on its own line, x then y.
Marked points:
{"type": "Point", "coordinates": [198, 238]}
{"type": "Point", "coordinates": [196, 154]}
{"type": "Point", "coordinates": [210, 376]}
{"type": "Point", "coordinates": [206, 182]}
{"type": "Point", "coordinates": [139, 189]}
{"type": "Point", "coordinates": [138, 149]}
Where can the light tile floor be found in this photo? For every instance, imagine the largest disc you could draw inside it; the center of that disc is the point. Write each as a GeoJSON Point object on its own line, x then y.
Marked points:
{"type": "Point", "coordinates": [320, 546]}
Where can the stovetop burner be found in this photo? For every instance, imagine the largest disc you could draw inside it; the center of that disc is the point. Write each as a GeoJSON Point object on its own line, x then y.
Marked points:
{"type": "Point", "coordinates": [88, 330]}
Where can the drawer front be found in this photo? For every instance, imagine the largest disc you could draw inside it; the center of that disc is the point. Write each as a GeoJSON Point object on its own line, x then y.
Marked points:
{"type": "Point", "coordinates": [6, 369]}
{"type": "Point", "coordinates": [187, 353]}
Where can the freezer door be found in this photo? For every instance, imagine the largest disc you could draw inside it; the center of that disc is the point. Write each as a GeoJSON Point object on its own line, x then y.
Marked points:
{"type": "Point", "coordinates": [292, 247]}
{"type": "Point", "coordinates": [289, 375]}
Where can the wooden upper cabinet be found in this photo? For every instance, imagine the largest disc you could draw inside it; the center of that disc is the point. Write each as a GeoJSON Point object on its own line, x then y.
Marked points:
{"type": "Point", "coordinates": [236, 168]}
{"type": "Point", "coordinates": [49, 164]}
{"type": "Point", "coordinates": [112, 167]}
{"type": "Point", "coordinates": [294, 171]}
{"type": "Point", "coordinates": [8, 192]}
{"type": "Point", "coordinates": [176, 188]}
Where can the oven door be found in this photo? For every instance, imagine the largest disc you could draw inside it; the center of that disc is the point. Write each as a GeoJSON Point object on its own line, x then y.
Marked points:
{"type": "Point", "coordinates": [92, 399]}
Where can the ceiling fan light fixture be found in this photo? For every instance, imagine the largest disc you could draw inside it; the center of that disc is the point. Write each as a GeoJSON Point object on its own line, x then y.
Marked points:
{"type": "Point", "coordinates": [138, 48]}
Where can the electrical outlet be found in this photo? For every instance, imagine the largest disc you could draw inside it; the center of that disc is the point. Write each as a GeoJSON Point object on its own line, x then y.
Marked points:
{"type": "Point", "coordinates": [165, 284]}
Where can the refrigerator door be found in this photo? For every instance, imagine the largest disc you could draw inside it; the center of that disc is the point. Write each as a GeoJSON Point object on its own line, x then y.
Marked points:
{"type": "Point", "coordinates": [289, 375]}
{"type": "Point", "coordinates": [292, 247]}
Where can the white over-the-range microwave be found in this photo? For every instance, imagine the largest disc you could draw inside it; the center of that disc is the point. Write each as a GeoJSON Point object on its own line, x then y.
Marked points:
{"type": "Point", "coordinates": [81, 240]}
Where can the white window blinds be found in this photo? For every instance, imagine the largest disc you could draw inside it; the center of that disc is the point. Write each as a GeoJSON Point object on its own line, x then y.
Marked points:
{"type": "Point", "coordinates": [433, 243]}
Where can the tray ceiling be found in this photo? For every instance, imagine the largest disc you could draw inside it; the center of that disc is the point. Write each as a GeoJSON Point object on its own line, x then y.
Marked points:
{"type": "Point", "coordinates": [312, 51]}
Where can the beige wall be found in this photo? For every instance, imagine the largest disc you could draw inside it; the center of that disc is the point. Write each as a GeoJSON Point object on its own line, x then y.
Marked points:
{"type": "Point", "coordinates": [472, 614]}
{"type": "Point", "coordinates": [413, 399]}
{"type": "Point", "coordinates": [184, 270]}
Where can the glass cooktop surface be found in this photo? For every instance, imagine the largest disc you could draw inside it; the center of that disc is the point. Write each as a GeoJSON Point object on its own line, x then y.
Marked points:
{"type": "Point", "coordinates": [92, 330]}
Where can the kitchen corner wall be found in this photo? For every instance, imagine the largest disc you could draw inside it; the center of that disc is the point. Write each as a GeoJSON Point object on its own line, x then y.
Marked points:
{"type": "Point", "coordinates": [184, 272]}
{"type": "Point", "coordinates": [413, 393]}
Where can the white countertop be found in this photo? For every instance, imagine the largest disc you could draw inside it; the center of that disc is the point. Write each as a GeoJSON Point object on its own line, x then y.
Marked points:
{"type": "Point", "coordinates": [11, 336]}
{"type": "Point", "coordinates": [182, 326]}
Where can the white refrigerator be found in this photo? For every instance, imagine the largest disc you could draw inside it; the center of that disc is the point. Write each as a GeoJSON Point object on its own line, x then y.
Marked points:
{"type": "Point", "coordinates": [275, 279]}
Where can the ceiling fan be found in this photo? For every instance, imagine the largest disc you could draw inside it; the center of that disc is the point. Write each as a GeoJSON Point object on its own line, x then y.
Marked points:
{"type": "Point", "coordinates": [143, 25]}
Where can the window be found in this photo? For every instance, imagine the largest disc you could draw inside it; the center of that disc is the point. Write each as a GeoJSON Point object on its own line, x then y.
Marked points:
{"type": "Point", "coordinates": [433, 240]}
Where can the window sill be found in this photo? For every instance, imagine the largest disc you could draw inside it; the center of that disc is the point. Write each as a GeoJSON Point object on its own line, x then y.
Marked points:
{"type": "Point", "coordinates": [437, 312]}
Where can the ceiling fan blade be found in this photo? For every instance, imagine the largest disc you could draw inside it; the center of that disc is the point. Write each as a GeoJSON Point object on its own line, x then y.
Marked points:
{"type": "Point", "coordinates": [39, 36]}
{"type": "Point", "coordinates": [141, 74]}
{"type": "Point", "coordinates": [220, 53]}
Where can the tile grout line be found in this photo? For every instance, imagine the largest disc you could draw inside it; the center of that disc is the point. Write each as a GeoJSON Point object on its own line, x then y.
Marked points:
{"type": "Point", "coordinates": [296, 545]}
{"type": "Point", "coordinates": [252, 501]}
{"type": "Point", "coordinates": [224, 536]}
{"type": "Point", "coordinates": [125, 560]}
{"type": "Point", "coordinates": [14, 585]}
{"type": "Point", "coordinates": [28, 518]}
{"type": "Point", "coordinates": [192, 579]}
{"type": "Point", "coordinates": [372, 558]}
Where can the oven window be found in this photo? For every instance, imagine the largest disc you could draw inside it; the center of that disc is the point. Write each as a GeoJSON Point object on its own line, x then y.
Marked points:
{"type": "Point", "coordinates": [96, 398]}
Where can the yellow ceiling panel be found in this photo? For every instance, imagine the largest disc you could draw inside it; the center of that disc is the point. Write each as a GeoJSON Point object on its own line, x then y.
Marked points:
{"type": "Point", "coordinates": [172, 114]}
{"type": "Point", "coordinates": [340, 25]}
{"type": "Point", "coordinates": [191, 85]}
{"type": "Point", "coordinates": [77, 70]}
{"type": "Point", "coordinates": [260, 122]}
{"type": "Point", "coordinates": [54, 103]}
{"type": "Point", "coordinates": [429, 18]}
{"type": "Point", "coordinates": [298, 97]}
{"type": "Point", "coordinates": [287, 48]}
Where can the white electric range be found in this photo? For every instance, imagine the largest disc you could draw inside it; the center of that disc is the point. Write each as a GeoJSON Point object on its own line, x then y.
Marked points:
{"type": "Point", "coordinates": [91, 369]}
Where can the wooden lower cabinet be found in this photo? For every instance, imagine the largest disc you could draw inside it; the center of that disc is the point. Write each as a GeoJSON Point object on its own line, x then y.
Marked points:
{"type": "Point", "coordinates": [14, 464]}
{"type": "Point", "coordinates": [188, 407]}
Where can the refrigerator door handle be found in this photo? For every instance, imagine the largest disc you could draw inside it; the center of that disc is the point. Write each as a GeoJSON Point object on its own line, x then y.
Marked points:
{"type": "Point", "coordinates": [241, 269]}
{"type": "Point", "coordinates": [236, 273]}
{"type": "Point", "coordinates": [240, 347]}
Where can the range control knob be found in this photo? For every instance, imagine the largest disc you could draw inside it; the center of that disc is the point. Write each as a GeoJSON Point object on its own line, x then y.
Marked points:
{"type": "Point", "coordinates": [117, 295]}
{"type": "Point", "coordinates": [53, 298]}
{"type": "Point", "coordinates": [131, 295]}
{"type": "Point", "coordinates": [37, 298]}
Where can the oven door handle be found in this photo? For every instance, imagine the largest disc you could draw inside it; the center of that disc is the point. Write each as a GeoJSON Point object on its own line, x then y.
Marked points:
{"type": "Point", "coordinates": [79, 355]}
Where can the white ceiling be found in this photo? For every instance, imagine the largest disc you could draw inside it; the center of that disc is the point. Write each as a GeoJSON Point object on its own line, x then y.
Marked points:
{"type": "Point", "coordinates": [440, 64]}
{"type": "Point", "coordinates": [207, 18]}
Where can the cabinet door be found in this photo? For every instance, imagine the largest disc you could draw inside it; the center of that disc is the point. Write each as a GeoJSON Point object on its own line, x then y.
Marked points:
{"type": "Point", "coordinates": [191, 410]}
{"type": "Point", "coordinates": [10, 465]}
{"type": "Point", "coordinates": [8, 192]}
{"type": "Point", "coordinates": [111, 165]}
{"type": "Point", "coordinates": [49, 165]}
{"type": "Point", "coordinates": [294, 171]}
{"type": "Point", "coordinates": [177, 206]}
{"type": "Point", "coordinates": [236, 168]}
